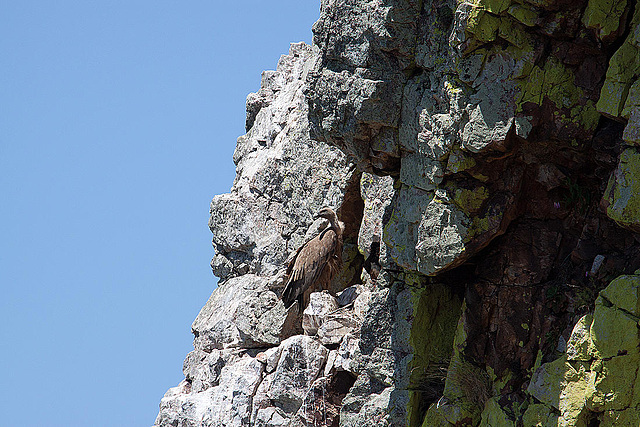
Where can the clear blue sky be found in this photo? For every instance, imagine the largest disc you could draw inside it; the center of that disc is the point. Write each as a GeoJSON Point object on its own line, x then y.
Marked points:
{"type": "Point", "coordinates": [118, 120]}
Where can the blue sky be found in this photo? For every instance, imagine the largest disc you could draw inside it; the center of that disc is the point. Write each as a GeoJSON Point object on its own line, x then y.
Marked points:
{"type": "Point", "coordinates": [118, 121]}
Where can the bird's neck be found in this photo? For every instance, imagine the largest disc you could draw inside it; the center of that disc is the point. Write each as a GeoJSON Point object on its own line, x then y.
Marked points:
{"type": "Point", "coordinates": [335, 224]}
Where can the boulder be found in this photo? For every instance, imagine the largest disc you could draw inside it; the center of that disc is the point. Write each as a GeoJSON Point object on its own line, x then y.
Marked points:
{"type": "Point", "coordinates": [314, 315]}
{"type": "Point", "coordinates": [243, 312]}
{"type": "Point", "coordinates": [336, 325]}
{"type": "Point", "coordinates": [228, 403]}
{"type": "Point", "coordinates": [300, 363]}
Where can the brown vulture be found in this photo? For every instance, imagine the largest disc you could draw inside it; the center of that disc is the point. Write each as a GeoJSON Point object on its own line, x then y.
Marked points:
{"type": "Point", "coordinates": [315, 263]}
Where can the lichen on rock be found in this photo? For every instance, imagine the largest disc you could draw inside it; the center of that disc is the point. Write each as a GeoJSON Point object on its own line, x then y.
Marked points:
{"type": "Point", "coordinates": [483, 156]}
{"type": "Point", "coordinates": [599, 372]}
{"type": "Point", "coordinates": [623, 194]}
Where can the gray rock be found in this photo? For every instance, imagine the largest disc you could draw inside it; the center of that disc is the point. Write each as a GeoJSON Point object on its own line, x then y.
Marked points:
{"type": "Point", "coordinates": [377, 192]}
{"type": "Point", "coordinates": [442, 234]}
{"type": "Point", "coordinates": [270, 417]}
{"type": "Point", "coordinates": [401, 231]}
{"type": "Point", "coordinates": [300, 363]}
{"type": "Point", "coordinates": [421, 171]}
{"type": "Point", "coordinates": [320, 304]}
{"type": "Point", "coordinates": [179, 407]}
{"type": "Point", "coordinates": [346, 353]}
{"type": "Point", "coordinates": [262, 409]}
{"type": "Point", "coordinates": [356, 84]}
{"type": "Point", "coordinates": [622, 196]}
{"type": "Point", "coordinates": [329, 365]}
{"type": "Point", "coordinates": [244, 313]}
{"type": "Point", "coordinates": [221, 266]}
{"type": "Point", "coordinates": [361, 304]}
{"type": "Point", "coordinates": [491, 111]}
{"type": "Point", "coordinates": [202, 369]}
{"type": "Point", "coordinates": [231, 400]}
{"type": "Point", "coordinates": [370, 404]}
{"type": "Point", "coordinates": [429, 130]}
{"type": "Point", "coordinates": [425, 233]}
{"type": "Point", "coordinates": [226, 404]}
{"type": "Point", "coordinates": [597, 263]}
{"type": "Point", "coordinates": [270, 358]}
{"type": "Point", "coordinates": [336, 325]}
{"type": "Point", "coordinates": [379, 360]}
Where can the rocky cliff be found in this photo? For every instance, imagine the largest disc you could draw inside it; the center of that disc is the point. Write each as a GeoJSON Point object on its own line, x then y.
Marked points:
{"type": "Point", "coordinates": [485, 159]}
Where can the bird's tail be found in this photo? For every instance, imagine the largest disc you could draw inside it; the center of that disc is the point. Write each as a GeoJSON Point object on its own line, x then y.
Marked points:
{"type": "Point", "coordinates": [289, 294]}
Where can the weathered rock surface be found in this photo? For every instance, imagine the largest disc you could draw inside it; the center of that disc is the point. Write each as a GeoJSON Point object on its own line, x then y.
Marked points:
{"type": "Point", "coordinates": [226, 404]}
{"type": "Point", "coordinates": [320, 305]}
{"type": "Point", "coordinates": [243, 312]}
{"type": "Point", "coordinates": [598, 374]}
{"type": "Point", "coordinates": [484, 158]}
{"type": "Point", "coordinates": [623, 192]}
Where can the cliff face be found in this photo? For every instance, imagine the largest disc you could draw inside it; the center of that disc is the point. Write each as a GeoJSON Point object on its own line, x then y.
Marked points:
{"type": "Point", "coordinates": [484, 159]}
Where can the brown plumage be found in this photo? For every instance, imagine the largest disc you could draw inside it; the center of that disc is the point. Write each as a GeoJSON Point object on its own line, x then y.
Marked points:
{"type": "Point", "coordinates": [315, 263]}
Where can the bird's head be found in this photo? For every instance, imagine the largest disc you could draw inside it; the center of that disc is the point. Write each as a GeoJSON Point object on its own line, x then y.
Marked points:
{"type": "Point", "coordinates": [326, 213]}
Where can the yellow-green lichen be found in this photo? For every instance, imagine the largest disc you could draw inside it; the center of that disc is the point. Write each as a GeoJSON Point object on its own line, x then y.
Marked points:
{"type": "Point", "coordinates": [559, 84]}
{"type": "Point", "coordinates": [479, 225]}
{"type": "Point", "coordinates": [556, 82]}
{"type": "Point", "coordinates": [613, 331]}
{"type": "Point", "coordinates": [604, 16]}
{"type": "Point", "coordinates": [436, 311]}
{"type": "Point", "coordinates": [612, 387]}
{"type": "Point", "coordinates": [434, 418]}
{"type": "Point", "coordinates": [496, 6]}
{"type": "Point", "coordinates": [467, 389]}
{"type": "Point", "coordinates": [482, 24]}
{"type": "Point", "coordinates": [458, 161]}
{"type": "Point", "coordinates": [493, 415]}
{"type": "Point", "coordinates": [523, 14]}
{"type": "Point", "coordinates": [633, 100]}
{"type": "Point", "coordinates": [538, 361]}
{"type": "Point", "coordinates": [623, 191]}
{"type": "Point", "coordinates": [628, 417]}
{"type": "Point", "coordinates": [500, 383]}
{"type": "Point", "coordinates": [460, 337]}
{"type": "Point", "coordinates": [586, 115]}
{"type": "Point", "coordinates": [487, 21]}
{"type": "Point", "coordinates": [623, 71]}
{"type": "Point", "coordinates": [532, 89]}
{"type": "Point", "coordinates": [470, 201]}
{"type": "Point", "coordinates": [606, 380]}
{"type": "Point", "coordinates": [515, 33]}
{"type": "Point", "coordinates": [539, 415]}
{"type": "Point", "coordinates": [482, 224]}
{"type": "Point", "coordinates": [624, 292]}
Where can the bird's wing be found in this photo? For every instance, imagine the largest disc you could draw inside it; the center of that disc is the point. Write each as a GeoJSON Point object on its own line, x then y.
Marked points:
{"type": "Point", "coordinates": [308, 264]}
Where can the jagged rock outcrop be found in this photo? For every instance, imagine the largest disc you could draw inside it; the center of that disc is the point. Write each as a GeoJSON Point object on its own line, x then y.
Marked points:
{"type": "Point", "coordinates": [251, 365]}
{"type": "Point", "coordinates": [484, 158]}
